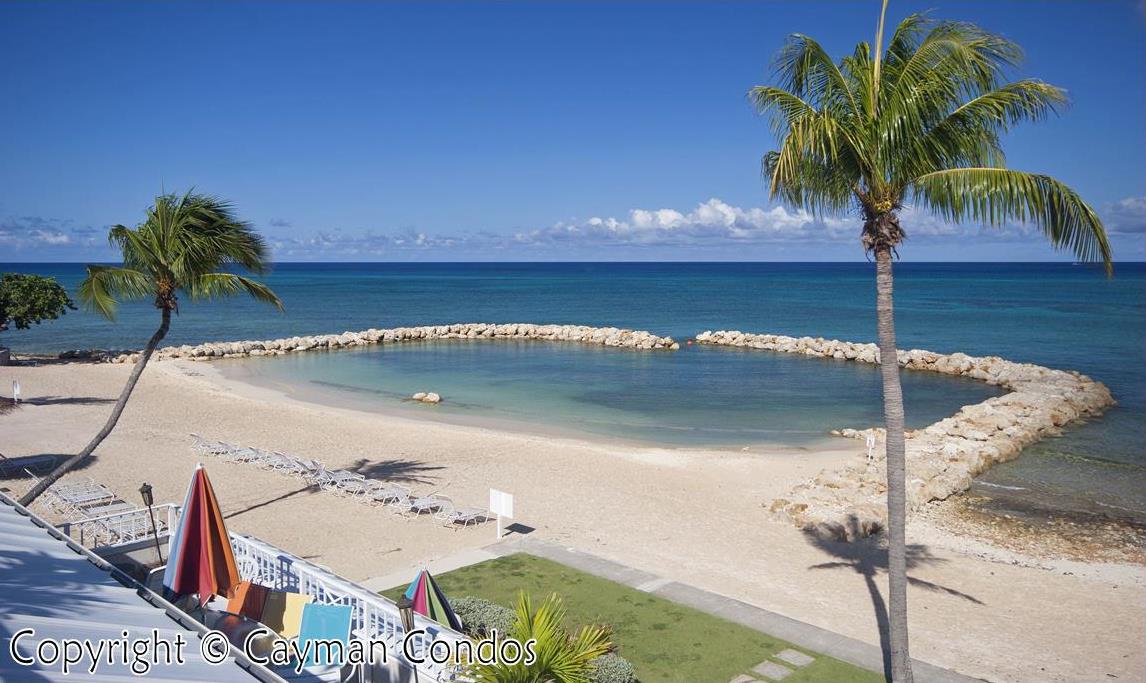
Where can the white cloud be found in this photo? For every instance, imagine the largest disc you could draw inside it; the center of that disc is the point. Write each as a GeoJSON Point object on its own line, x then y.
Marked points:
{"type": "Point", "coordinates": [1126, 216]}
{"type": "Point", "coordinates": [710, 221]}
{"type": "Point", "coordinates": [715, 221]}
{"type": "Point", "coordinates": [31, 232]}
{"type": "Point", "coordinates": [718, 221]}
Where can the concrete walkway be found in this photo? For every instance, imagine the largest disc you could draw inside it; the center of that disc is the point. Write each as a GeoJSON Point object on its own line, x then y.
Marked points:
{"type": "Point", "coordinates": [799, 633]}
{"type": "Point", "coordinates": [441, 566]}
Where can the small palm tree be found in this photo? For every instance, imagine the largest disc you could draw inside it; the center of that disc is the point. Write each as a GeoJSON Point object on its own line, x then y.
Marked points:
{"type": "Point", "coordinates": [920, 123]}
{"type": "Point", "coordinates": [561, 657]}
{"type": "Point", "coordinates": [184, 245]}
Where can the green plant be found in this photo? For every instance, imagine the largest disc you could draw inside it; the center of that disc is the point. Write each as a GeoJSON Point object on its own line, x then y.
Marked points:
{"type": "Point", "coordinates": [561, 657]}
{"type": "Point", "coordinates": [921, 123]}
{"type": "Point", "coordinates": [27, 300]}
{"type": "Point", "coordinates": [187, 244]}
{"type": "Point", "coordinates": [612, 668]}
{"type": "Point", "coordinates": [480, 617]}
{"type": "Point", "coordinates": [665, 641]}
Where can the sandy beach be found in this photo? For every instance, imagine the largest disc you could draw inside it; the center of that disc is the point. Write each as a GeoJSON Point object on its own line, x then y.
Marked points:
{"type": "Point", "coordinates": [692, 515]}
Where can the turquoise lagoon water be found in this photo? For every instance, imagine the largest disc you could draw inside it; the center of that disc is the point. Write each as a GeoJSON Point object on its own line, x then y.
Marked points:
{"type": "Point", "coordinates": [1057, 315]}
{"type": "Point", "coordinates": [698, 396]}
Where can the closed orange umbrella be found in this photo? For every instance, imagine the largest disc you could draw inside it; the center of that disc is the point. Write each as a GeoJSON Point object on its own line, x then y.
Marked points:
{"type": "Point", "coordinates": [201, 559]}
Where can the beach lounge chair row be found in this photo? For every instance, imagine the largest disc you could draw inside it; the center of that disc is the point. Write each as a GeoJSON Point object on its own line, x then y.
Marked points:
{"type": "Point", "coordinates": [103, 516]}
{"type": "Point", "coordinates": [347, 483]}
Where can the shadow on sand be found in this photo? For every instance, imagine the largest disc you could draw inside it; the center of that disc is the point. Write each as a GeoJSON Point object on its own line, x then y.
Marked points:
{"type": "Point", "coordinates": [408, 471]}
{"type": "Point", "coordinates": [67, 401]}
{"type": "Point", "coordinates": [12, 467]}
{"type": "Point", "coordinates": [277, 499]}
{"type": "Point", "coordinates": [867, 558]}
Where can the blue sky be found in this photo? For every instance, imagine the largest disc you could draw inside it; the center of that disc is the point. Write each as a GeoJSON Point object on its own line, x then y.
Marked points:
{"type": "Point", "coordinates": [503, 131]}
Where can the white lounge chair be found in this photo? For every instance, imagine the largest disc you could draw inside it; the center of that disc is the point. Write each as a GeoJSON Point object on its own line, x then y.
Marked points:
{"type": "Point", "coordinates": [386, 493]}
{"type": "Point", "coordinates": [463, 516]}
{"type": "Point", "coordinates": [340, 478]}
{"type": "Point", "coordinates": [346, 483]}
{"type": "Point", "coordinates": [79, 498]}
{"type": "Point", "coordinates": [430, 504]}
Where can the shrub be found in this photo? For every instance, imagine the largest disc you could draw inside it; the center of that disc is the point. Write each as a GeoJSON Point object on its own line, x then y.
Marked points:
{"type": "Point", "coordinates": [479, 616]}
{"type": "Point", "coordinates": [612, 668]}
{"type": "Point", "coordinates": [27, 300]}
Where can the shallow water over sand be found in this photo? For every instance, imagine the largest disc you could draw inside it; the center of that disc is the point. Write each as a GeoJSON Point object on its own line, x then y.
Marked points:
{"type": "Point", "coordinates": [697, 396]}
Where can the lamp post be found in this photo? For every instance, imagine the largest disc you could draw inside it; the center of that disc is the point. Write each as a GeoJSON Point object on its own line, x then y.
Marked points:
{"type": "Point", "coordinates": [406, 610]}
{"type": "Point", "coordinates": [148, 500]}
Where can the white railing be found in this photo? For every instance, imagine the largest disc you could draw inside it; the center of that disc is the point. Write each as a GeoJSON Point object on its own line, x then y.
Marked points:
{"type": "Point", "coordinates": [376, 618]}
{"type": "Point", "coordinates": [119, 528]}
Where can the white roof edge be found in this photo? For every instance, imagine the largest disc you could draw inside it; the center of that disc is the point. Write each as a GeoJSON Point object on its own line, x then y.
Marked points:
{"type": "Point", "coordinates": [168, 616]}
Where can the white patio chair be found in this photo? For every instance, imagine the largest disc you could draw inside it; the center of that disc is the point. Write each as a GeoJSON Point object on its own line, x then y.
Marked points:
{"type": "Point", "coordinates": [110, 508]}
{"type": "Point", "coordinates": [317, 474]}
{"type": "Point", "coordinates": [386, 492]}
{"type": "Point", "coordinates": [356, 488]}
{"type": "Point", "coordinates": [345, 482]}
{"type": "Point", "coordinates": [430, 504]}
{"type": "Point", "coordinates": [400, 502]}
{"type": "Point", "coordinates": [463, 516]}
{"type": "Point", "coordinates": [81, 498]}
{"type": "Point", "coordinates": [286, 464]}
{"type": "Point", "coordinates": [243, 454]}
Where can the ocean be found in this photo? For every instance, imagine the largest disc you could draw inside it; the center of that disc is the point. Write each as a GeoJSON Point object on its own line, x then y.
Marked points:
{"type": "Point", "coordinates": [1058, 315]}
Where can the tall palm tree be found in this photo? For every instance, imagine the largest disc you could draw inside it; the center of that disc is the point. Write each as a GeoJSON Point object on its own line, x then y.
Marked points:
{"type": "Point", "coordinates": [919, 124]}
{"type": "Point", "coordinates": [560, 657]}
{"type": "Point", "coordinates": [184, 245]}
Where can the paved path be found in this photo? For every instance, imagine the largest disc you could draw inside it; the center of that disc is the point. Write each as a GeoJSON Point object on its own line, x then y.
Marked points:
{"type": "Point", "coordinates": [446, 564]}
{"type": "Point", "coordinates": [807, 636]}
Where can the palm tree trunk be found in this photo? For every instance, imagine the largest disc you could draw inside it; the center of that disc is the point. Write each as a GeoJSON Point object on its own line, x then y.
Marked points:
{"type": "Point", "coordinates": [112, 419]}
{"type": "Point", "coordinates": [896, 471]}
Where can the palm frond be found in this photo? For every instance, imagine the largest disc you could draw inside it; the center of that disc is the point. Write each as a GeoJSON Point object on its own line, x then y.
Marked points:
{"type": "Point", "coordinates": [805, 69]}
{"type": "Point", "coordinates": [219, 285]}
{"type": "Point", "coordinates": [782, 107]}
{"type": "Point", "coordinates": [970, 135]}
{"type": "Point", "coordinates": [996, 196]}
{"type": "Point", "coordinates": [104, 287]}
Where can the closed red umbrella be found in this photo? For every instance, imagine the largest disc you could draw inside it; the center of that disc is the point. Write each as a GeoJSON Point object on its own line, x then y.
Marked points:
{"type": "Point", "coordinates": [201, 560]}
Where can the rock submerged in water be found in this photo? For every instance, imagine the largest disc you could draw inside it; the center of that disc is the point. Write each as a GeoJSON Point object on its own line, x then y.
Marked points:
{"type": "Point", "coordinates": [851, 502]}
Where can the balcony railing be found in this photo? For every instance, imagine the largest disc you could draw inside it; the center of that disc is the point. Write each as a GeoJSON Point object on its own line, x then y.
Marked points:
{"type": "Point", "coordinates": [375, 618]}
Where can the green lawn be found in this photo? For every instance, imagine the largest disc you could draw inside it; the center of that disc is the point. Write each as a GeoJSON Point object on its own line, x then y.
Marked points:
{"type": "Point", "coordinates": [666, 642]}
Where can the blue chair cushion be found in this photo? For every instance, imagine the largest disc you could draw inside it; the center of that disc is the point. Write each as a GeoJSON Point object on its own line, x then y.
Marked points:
{"type": "Point", "coordinates": [324, 622]}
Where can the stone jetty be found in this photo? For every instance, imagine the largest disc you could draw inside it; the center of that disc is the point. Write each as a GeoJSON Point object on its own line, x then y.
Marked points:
{"type": "Point", "coordinates": [943, 457]}
{"type": "Point", "coordinates": [598, 336]}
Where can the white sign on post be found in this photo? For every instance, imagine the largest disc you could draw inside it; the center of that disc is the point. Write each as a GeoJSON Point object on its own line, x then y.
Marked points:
{"type": "Point", "coordinates": [500, 504]}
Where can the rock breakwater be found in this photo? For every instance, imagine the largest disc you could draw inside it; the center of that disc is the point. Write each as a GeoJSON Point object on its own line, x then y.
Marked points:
{"type": "Point", "coordinates": [942, 458]}
{"type": "Point", "coordinates": [600, 336]}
